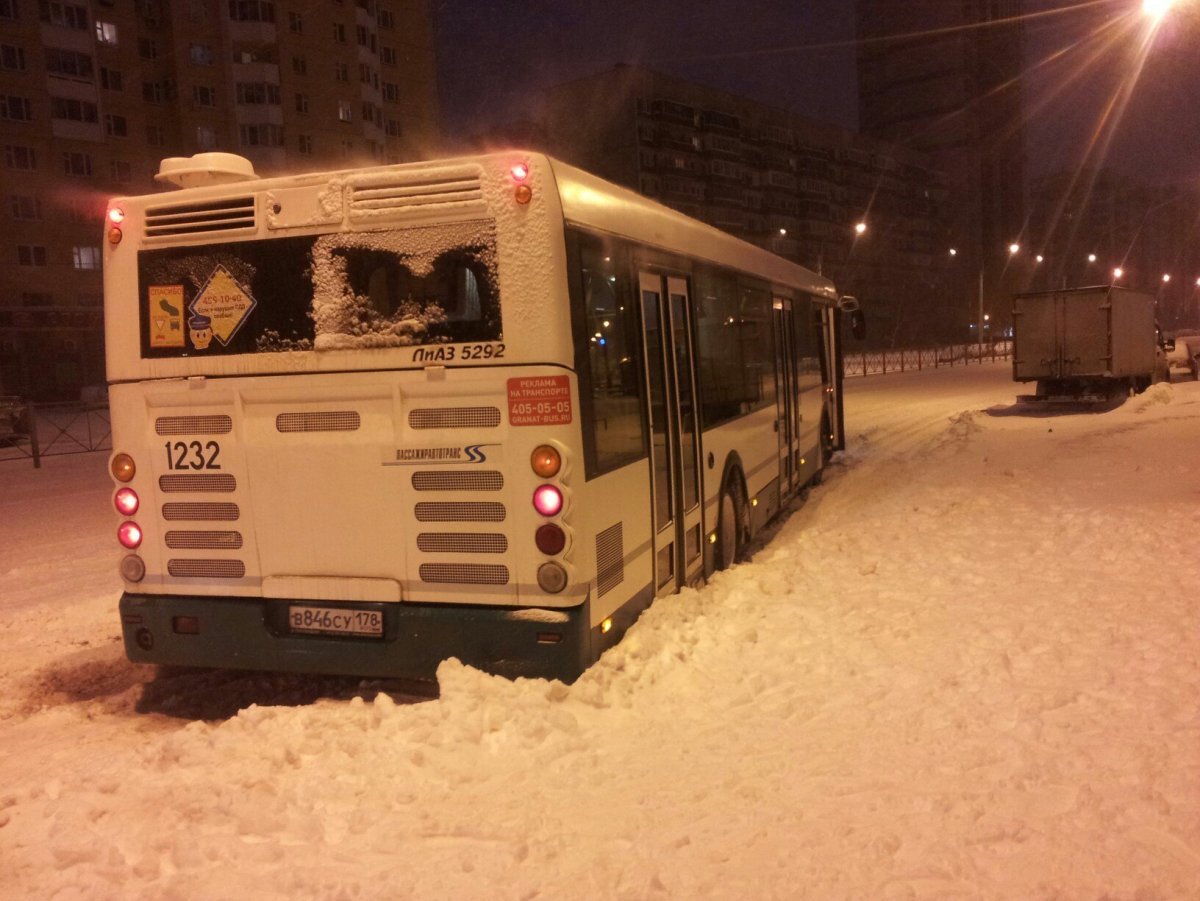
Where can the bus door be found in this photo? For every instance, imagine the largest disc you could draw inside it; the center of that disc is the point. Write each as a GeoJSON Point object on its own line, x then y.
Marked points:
{"type": "Point", "coordinates": [674, 430]}
{"type": "Point", "coordinates": [787, 410]}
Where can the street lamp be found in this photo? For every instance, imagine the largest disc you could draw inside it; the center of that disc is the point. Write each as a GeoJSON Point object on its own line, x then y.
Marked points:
{"type": "Point", "coordinates": [1117, 273]}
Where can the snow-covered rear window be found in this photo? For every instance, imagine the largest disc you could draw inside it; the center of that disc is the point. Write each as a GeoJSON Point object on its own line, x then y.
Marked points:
{"type": "Point", "coordinates": [395, 288]}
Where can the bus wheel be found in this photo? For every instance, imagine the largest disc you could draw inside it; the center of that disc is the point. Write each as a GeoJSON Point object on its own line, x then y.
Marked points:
{"type": "Point", "coordinates": [728, 528]}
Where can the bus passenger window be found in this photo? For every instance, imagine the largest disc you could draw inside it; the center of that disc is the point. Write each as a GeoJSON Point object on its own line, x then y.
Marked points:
{"type": "Point", "coordinates": [612, 337]}
{"type": "Point", "coordinates": [733, 325]}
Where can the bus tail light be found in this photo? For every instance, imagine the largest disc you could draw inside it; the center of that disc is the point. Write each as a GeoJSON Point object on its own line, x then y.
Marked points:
{"type": "Point", "coordinates": [129, 534]}
{"type": "Point", "coordinates": [547, 500]}
{"type": "Point", "coordinates": [552, 578]}
{"type": "Point", "coordinates": [133, 568]}
{"type": "Point", "coordinates": [126, 501]}
{"type": "Point", "coordinates": [123, 468]}
{"type": "Point", "coordinates": [550, 539]}
{"type": "Point", "coordinates": [546, 461]}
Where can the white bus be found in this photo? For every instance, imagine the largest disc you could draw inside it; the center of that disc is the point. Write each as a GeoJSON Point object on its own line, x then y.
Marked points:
{"type": "Point", "coordinates": [486, 408]}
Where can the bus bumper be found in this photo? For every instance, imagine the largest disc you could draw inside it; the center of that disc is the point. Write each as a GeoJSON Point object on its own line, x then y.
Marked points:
{"type": "Point", "coordinates": [253, 633]}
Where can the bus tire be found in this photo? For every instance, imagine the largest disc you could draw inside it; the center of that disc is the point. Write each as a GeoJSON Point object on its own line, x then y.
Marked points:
{"type": "Point", "coordinates": [729, 531]}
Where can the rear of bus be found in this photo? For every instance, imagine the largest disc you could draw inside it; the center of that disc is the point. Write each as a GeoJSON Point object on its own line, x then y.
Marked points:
{"type": "Point", "coordinates": [344, 420]}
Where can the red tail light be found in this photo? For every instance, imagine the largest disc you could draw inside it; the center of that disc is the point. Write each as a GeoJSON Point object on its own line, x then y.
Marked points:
{"type": "Point", "coordinates": [550, 539]}
{"type": "Point", "coordinates": [126, 501]}
{"type": "Point", "coordinates": [129, 534]}
{"type": "Point", "coordinates": [547, 500]}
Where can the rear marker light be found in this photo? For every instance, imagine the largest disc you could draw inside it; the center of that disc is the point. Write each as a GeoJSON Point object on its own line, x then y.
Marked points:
{"type": "Point", "coordinates": [126, 501]}
{"type": "Point", "coordinates": [606, 626]}
{"type": "Point", "coordinates": [523, 194]}
{"type": "Point", "coordinates": [519, 172]}
{"type": "Point", "coordinates": [129, 534]}
{"type": "Point", "coordinates": [547, 500]}
{"type": "Point", "coordinates": [546, 461]}
{"type": "Point", "coordinates": [550, 539]}
{"type": "Point", "coordinates": [116, 215]}
{"type": "Point", "coordinates": [552, 578]}
{"type": "Point", "coordinates": [122, 467]}
{"type": "Point", "coordinates": [185, 625]}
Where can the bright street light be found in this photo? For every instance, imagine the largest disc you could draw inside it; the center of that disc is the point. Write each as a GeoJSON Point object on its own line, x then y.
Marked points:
{"type": "Point", "coordinates": [1014, 248]}
{"type": "Point", "coordinates": [1156, 9]}
{"type": "Point", "coordinates": [1166, 277]}
{"type": "Point", "coordinates": [860, 228]}
{"type": "Point", "coordinates": [953, 251]}
{"type": "Point", "coordinates": [1118, 272]}
{"type": "Point", "coordinates": [1091, 258]}
{"type": "Point", "coordinates": [1040, 258]}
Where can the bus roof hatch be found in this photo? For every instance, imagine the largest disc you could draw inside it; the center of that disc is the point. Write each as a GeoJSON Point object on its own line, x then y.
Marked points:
{"type": "Point", "coordinates": [211, 168]}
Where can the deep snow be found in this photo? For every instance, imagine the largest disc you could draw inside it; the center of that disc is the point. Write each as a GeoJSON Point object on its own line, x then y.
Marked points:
{"type": "Point", "coordinates": [967, 667]}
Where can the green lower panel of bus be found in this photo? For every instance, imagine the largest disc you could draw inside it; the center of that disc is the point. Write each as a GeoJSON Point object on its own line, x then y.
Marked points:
{"type": "Point", "coordinates": [374, 640]}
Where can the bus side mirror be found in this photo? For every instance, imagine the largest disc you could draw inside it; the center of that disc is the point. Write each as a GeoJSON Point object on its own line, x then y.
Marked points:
{"type": "Point", "coordinates": [858, 325]}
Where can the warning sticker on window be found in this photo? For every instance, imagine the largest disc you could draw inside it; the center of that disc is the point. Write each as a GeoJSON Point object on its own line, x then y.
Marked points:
{"type": "Point", "coordinates": [541, 400]}
{"type": "Point", "coordinates": [166, 315]}
{"type": "Point", "coordinates": [224, 304]}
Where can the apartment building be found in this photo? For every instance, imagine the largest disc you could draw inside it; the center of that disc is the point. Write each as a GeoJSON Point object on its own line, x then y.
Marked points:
{"type": "Point", "coordinates": [793, 185]}
{"type": "Point", "coordinates": [94, 93]}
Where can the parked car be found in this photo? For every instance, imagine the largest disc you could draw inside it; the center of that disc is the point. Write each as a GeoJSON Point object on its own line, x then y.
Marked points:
{"type": "Point", "coordinates": [1183, 356]}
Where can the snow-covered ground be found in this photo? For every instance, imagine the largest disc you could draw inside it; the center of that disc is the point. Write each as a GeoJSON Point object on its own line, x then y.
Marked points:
{"type": "Point", "coordinates": [967, 667]}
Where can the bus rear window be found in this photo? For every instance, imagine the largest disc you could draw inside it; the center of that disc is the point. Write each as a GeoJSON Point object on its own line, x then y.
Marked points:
{"type": "Point", "coordinates": [346, 290]}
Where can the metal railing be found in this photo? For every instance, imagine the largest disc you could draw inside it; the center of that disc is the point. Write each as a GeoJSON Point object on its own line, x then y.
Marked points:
{"type": "Point", "coordinates": [877, 362]}
{"type": "Point", "coordinates": [33, 431]}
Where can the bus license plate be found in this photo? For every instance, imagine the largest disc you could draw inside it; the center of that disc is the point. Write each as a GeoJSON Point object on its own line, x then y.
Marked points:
{"type": "Point", "coordinates": [335, 621]}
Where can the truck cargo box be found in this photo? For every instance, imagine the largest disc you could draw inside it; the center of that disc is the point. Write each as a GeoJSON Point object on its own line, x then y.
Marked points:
{"type": "Point", "coordinates": [1084, 337]}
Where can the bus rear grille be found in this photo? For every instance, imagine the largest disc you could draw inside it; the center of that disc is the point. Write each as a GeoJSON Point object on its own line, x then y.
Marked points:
{"type": "Point", "coordinates": [486, 480]}
{"type": "Point", "coordinates": [206, 569]}
{"type": "Point", "coordinates": [464, 573]}
{"type": "Point", "coordinates": [200, 511]}
{"type": "Point", "coordinates": [462, 543]}
{"type": "Point", "coordinates": [193, 425]}
{"type": "Point", "coordinates": [459, 511]}
{"type": "Point", "coordinates": [454, 418]}
{"type": "Point", "coordinates": [339, 421]}
{"type": "Point", "coordinates": [610, 558]}
{"type": "Point", "coordinates": [200, 481]}
{"type": "Point", "coordinates": [209, 541]}
{"type": "Point", "coordinates": [198, 218]}
{"type": "Point", "coordinates": [415, 194]}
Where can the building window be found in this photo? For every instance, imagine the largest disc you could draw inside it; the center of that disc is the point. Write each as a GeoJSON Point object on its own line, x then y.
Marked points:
{"type": "Point", "coordinates": [339, 32]}
{"type": "Point", "coordinates": [302, 103]}
{"type": "Point", "coordinates": [36, 299]}
{"type": "Point", "coordinates": [305, 143]}
{"type": "Point", "coordinates": [388, 55]}
{"type": "Point", "coordinates": [12, 57]}
{"type": "Point", "coordinates": [68, 64]}
{"type": "Point", "coordinates": [257, 92]}
{"type": "Point", "coordinates": [204, 95]}
{"type": "Point", "coordinates": [77, 164]}
{"type": "Point", "coordinates": [299, 65]}
{"type": "Point", "coordinates": [155, 136]}
{"type": "Point", "coordinates": [296, 23]}
{"type": "Point", "coordinates": [251, 11]}
{"type": "Point", "coordinates": [392, 128]}
{"type": "Point", "coordinates": [147, 48]}
{"type": "Point", "coordinates": [345, 111]}
{"type": "Point", "coordinates": [73, 110]}
{"type": "Point", "coordinates": [16, 109]}
{"type": "Point", "coordinates": [206, 137]}
{"type": "Point", "coordinates": [261, 135]}
{"type": "Point", "coordinates": [68, 15]}
{"type": "Point", "coordinates": [202, 54]}
{"type": "Point", "coordinates": [111, 80]}
{"type": "Point", "coordinates": [8, 9]}
{"type": "Point", "coordinates": [116, 126]}
{"type": "Point", "coordinates": [341, 72]}
{"type": "Point", "coordinates": [391, 92]}
{"type": "Point", "coordinates": [25, 206]}
{"type": "Point", "coordinates": [18, 157]}
{"type": "Point", "coordinates": [31, 255]}
{"type": "Point", "coordinates": [121, 171]}
{"type": "Point", "coordinates": [85, 257]}
{"type": "Point", "coordinates": [106, 33]}
{"type": "Point", "coordinates": [385, 19]}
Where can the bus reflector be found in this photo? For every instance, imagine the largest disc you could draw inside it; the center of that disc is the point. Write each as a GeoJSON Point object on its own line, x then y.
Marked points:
{"type": "Point", "coordinates": [185, 625]}
{"type": "Point", "coordinates": [114, 235]}
{"type": "Point", "coordinates": [523, 194]}
{"type": "Point", "coordinates": [546, 461]}
{"type": "Point", "coordinates": [547, 500]}
{"type": "Point", "coordinates": [126, 500]}
{"type": "Point", "coordinates": [550, 539]}
{"type": "Point", "coordinates": [552, 578]}
{"type": "Point", "coordinates": [129, 534]}
{"type": "Point", "coordinates": [122, 467]}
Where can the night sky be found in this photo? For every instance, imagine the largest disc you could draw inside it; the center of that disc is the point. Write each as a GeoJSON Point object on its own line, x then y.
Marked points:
{"type": "Point", "coordinates": [495, 58]}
